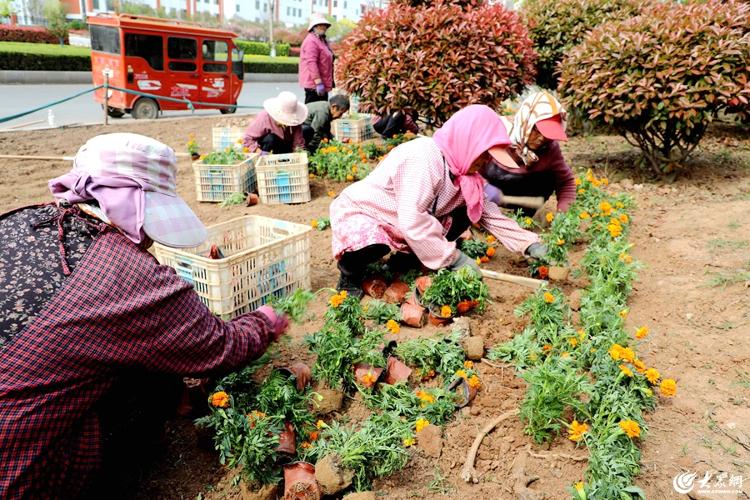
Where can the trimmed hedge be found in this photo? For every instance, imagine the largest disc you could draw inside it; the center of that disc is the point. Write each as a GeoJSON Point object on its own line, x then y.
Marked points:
{"type": "Point", "coordinates": [262, 48]}
{"type": "Point", "coordinates": [31, 34]}
{"type": "Point", "coordinates": [23, 61]}
{"type": "Point", "coordinates": [271, 67]}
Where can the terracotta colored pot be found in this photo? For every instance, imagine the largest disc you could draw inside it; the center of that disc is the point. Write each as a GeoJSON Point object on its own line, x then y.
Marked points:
{"type": "Point", "coordinates": [287, 440]}
{"type": "Point", "coordinates": [396, 371]}
{"type": "Point", "coordinates": [362, 369]}
{"type": "Point", "coordinates": [193, 398]}
{"type": "Point", "coordinates": [374, 287]}
{"type": "Point", "coordinates": [413, 315]}
{"type": "Point", "coordinates": [423, 283]}
{"type": "Point", "coordinates": [396, 293]}
{"type": "Point", "coordinates": [437, 321]}
{"type": "Point", "coordinates": [466, 306]}
{"type": "Point", "coordinates": [465, 392]}
{"type": "Point", "coordinates": [252, 200]}
{"type": "Point", "coordinates": [300, 483]}
{"type": "Point", "coordinates": [301, 373]}
{"type": "Point", "coordinates": [558, 273]}
{"type": "Point", "coordinates": [195, 156]}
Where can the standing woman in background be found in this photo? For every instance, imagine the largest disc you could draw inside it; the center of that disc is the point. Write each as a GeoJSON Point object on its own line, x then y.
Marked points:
{"type": "Point", "coordinates": [316, 61]}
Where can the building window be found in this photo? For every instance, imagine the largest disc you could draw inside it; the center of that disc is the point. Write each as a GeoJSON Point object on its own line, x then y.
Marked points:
{"type": "Point", "coordinates": [257, 4]}
{"type": "Point", "coordinates": [335, 3]}
{"type": "Point", "coordinates": [237, 7]}
{"type": "Point", "coordinates": [147, 47]}
{"type": "Point", "coordinates": [344, 4]}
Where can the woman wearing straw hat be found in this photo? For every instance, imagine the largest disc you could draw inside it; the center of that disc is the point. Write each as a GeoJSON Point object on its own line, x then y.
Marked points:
{"type": "Point", "coordinates": [278, 128]}
{"type": "Point", "coordinates": [316, 61]}
{"type": "Point", "coordinates": [95, 335]}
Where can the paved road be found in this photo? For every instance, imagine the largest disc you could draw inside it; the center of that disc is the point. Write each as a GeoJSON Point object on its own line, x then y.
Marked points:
{"type": "Point", "coordinates": [17, 98]}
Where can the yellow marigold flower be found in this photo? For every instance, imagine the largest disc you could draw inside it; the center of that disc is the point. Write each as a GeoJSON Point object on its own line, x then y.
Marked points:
{"type": "Point", "coordinates": [461, 373]}
{"type": "Point", "coordinates": [668, 387]}
{"type": "Point", "coordinates": [354, 169]}
{"type": "Point", "coordinates": [624, 218]}
{"type": "Point", "coordinates": [446, 311]}
{"type": "Point", "coordinates": [624, 313]}
{"type": "Point", "coordinates": [337, 300]}
{"type": "Point", "coordinates": [343, 293]}
{"type": "Point", "coordinates": [393, 326]}
{"type": "Point", "coordinates": [550, 216]}
{"type": "Point", "coordinates": [468, 364]}
{"type": "Point", "coordinates": [426, 397]}
{"type": "Point", "coordinates": [349, 178]}
{"type": "Point", "coordinates": [614, 230]}
{"type": "Point", "coordinates": [478, 260]}
{"type": "Point", "coordinates": [579, 486]}
{"type": "Point", "coordinates": [491, 239]}
{"type": "Point", "coordinates": [641, 333]}
{"type": "Point", "coordinates": [627, 354]}
{"type": "Point", "coordinates": [578, 181]}
{"type": "Point", "coordinates": [627, 259]}
{"type": "Point", "coordinates": [640, 366]}
{"type": "Point", "coordinates": [312, 176]}
{"type": "Point", "coordinates": [220, 400]}
{"type": "Point", "coordinates": [573, 341]}
{"type": "Point", "coordinates": [581, 334]}
{"type": "Point", "coordinates": [596, 182]}
{"type": "Point", "coordinates": [560, 241]}
{"type": "Point", "coordinates": [652, 375]}
{"type": "Point", "coordinates": [605, 207]}
{"type": "Point", "coordinates": [631, 428]}
{"type": "Point", "coordinates": [590, 175]}
{"type": "Point", "coordinates": [581, 191]}
{"type": "Point", "coordinates": [615, 352]}
{"type": "Point", "coordinates": [474, 382]}
{"type": "Point", "coordinates": [565, 355]}
{"type": "Point", "coordinates": [314, 223]}
{"type": "Point", "coordinates": [369, 379]}
{"type": "Point", "coordinates": [422, 423]}
{"type": "Point", "coordinates": [320, 424]}
{"type": "Point", "coordinates": [547, 347]}
{"type": "Point", "coordinates": [584, 215]}
{"type": "Point", "coordinates": [305, 444]}
{"type": "Point", "coordinates": [604, 181]}
{"type": "Point", "coordinates": [614, 221]}
{"type": "Point", "coordinates": [331, 194]}
{"type": "Point", "coordinates": [627, 371]}
{"type": "Point", "coordinates": [577, 430]}
{"type": "Point", "coordinates": [549, 298]}
{"type": "Point", "coordinates": [528, 221]}
{"type": "Point", "coordinates": [409, 441]}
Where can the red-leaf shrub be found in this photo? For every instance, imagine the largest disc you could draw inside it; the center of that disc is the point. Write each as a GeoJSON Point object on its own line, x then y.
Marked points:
{"type": "Point", "coordinates": [556, 26]}
{"type": "Point", "coordinates": [437, 58]}
{"type": "Point", "coordinates": [32, 34]}
{"type": "Point", "coordinates": [660, 78]}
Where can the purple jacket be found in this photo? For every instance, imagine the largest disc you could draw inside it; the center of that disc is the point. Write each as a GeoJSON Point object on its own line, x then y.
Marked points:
{"type": "Point", "coordinates": [315, 62]}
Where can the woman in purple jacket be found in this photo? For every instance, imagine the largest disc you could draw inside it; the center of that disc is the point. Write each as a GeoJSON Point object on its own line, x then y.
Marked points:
{"type": "Point", "coordinates": [537, 126]}
{"type": "Point", "coordinates": [316, 61]}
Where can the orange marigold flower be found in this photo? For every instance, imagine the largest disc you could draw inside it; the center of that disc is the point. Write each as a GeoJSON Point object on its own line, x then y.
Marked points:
{"type": "Point", "coordinates": [474, 382]}
{"type": "Point", "coordinates": [491, 239]}
{"type": "Point", "coordinates": [314, 435]}
{"type": "Point", "coordinates": [320, 424]}
{"type": "Point", "coordinates": [614, 231]}
{"type": "Point", "coordinates": [615, 352]}
{"type": "Point", "coordinates": [631, 428]}
{"type": "Point", "coordinates": [468, 364]}
{"type": "Point", "coordinates": [578, 181]}
{"type": "Point", "coordinates": [584, 215]}
{"type": "Point", "coordinates": [337, 300]}
{"type": "Point", "coordinates": [369, 379]}
{"type": "Point", "coordinates": [573, 341]}
{"type": "Point", "coordinates": [331, 194]}
{"type": "Point", "coordinates": [306, 444]}
{"type": "Point", "coordinates": [641, 333]}
{"type": "Point", "coordinates": [668, 387]}
{"type": "Point", "coordinates": [220, 400]}
{"type": "Point", "coordinates": [640, 366]}
{"type": "Point", "coordinates": [314, 223]}
{"type": "Point", "coordinates": [425, 396]}
{"type": "Point", "coordinates": [605, 207]}
{"type": "Point", "coordinates": [627, 371]}
{"type": "Point", "coordinates": [461, 373]}
{"type": "Point", "coordinates": [628, 354]}
{"type": "Point", "coordinates": [393, 326]}
{"type": "Point", "coordinates": [422, 423]}
{"type": "Point", "coordinates": [627, 259]}
{"type": "Point", "coordinates": [549, 298]}
{"type": "Point", "coordinates": [652, 375]}
{"type": "Point", "coordinates": [604, 181]}
{"type": "Point", "coordinates": [581, 191]}
{"type": "Point", "coordinates": [577, 430]}
{"type": "Point", "coordinates": [446, 311]}
{"type": "Point", "coordinates": [484, 259]}
{"type": "Point", "coordinates": [349, 178]}
{"type": "Point", "coordinates": [547, 347]}
{"type": "Point", "coordinates": [550, 216]}
{"type": "Point", "coordinates": [491, 252]}
{"type": "Point", "coordinates": [624, 218]}
{"type": "Point", "coordinates": [560, 241]}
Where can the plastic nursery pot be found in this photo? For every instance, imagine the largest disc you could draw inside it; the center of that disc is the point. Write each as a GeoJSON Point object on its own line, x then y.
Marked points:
{"type": "Point", "coordinates": [300, 483]}
{"type": "Point", "coordinates": [396, 371]}
{"type": "Point", "coordinates": [413, 315]}
{"type": "Point", "coordinates": [396, 293]}
{"type": "Point", "coordinates": [558, 273]}
{"type": "Point", "coordinates": [367, 375]}
{"type": "Point", "coordinates": [375, 287]}
{"type": "Point", "coordinates": [287, 440]}
{"type": "Point", "coordinates": [301, 373]}
{"type": "Point", "coordinates": [463, 390]}
{"type": "Point", "coordinates": [423, 283]}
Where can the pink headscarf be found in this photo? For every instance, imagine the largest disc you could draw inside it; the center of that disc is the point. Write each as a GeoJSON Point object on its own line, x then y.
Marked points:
{"type": "Point", "coordinates": [464, 137]}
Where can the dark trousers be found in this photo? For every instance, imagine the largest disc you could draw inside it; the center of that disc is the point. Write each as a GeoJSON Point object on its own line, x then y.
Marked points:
{"type": "Point", "coordinates": [309, 133]}
{"type": "Point", "coordinates": [355, 263]}
{"type": "Point", "coordinates": [272, 143]}
{"type": "Point", "coordinates": [532, 184]}
{"type": "Point", "coordinates": [311, 95]}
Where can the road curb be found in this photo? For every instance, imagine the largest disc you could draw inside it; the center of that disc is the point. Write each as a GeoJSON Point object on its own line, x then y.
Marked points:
{"type": "Point", "coordinates": [71, 77]}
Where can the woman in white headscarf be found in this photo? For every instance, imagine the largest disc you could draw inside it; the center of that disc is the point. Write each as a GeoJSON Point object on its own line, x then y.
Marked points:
{"type": "Point", "coordinates": [537, 127]}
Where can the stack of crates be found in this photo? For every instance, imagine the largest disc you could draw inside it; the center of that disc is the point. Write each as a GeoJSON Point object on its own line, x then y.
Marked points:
{"type": "Point", "coordinates": [216, 183]}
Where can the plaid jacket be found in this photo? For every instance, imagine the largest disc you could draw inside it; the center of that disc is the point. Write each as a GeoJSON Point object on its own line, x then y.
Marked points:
{"type": "Point", "coordinates": [118, 310]}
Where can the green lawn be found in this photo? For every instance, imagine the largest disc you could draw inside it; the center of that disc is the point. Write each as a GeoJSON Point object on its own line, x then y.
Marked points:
{"type": "Point", "coordinates": [44, 48]}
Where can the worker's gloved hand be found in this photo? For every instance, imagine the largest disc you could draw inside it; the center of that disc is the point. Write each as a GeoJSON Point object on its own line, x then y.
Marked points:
{"type": "Point", "coordinates": [320, 89]}
{"type": "Point", "coordinates": [463, 260]}
{"type": "Point", "coordinates": [536, 251]}
{"type": "Point", "coordinates": [279, 322]}
{"type": "Point", "coordinates": [493, 194]}
{"type": "Point", "coordinates": [263, 153]}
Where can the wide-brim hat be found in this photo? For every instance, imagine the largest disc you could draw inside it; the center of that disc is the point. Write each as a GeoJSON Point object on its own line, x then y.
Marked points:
{"type": "Point", "coordinates": [133, 179]}
{"type": "Point", "coordinates": [552, 128]}
{"type": "Point", "coordinates": [317, 19]}
{"type": "Point", "coordinates": [286, 109]}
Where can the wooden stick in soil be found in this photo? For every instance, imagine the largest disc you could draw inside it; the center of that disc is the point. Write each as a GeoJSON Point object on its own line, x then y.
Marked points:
{"type": "Point", "coordinates": [468, 472]}
{"type": "Point", "coordinates": [512, 278]}
{"type": "Point", "coordinates": [524, 201]}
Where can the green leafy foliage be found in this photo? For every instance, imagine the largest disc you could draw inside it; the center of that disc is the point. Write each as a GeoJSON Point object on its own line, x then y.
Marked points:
{"type": "Point", "coordinates": [556, 26]}
{"type": "Point", "coordinates": [404, 401]}
{"type": "Point", "coordinates": [449, 288]}
{"type": "Point", "coordinates": [340, 162]}
{"type": "Point", "coordinates": [474, 248]}
{"type": "Point", "coordinates": [436, 58]}
{"type": "Point", "coordinates": [335, 351]}
{"type": "Point", "coordinates": [293, 305]}
{"type": "Point", "coordinates": [229, 156]}
{"type": "Point", "coordinates": [262, 48]}
{"type": "Point", "coordinates": [441, 354]}
{"type": "Point", "coordinates": [381, 312]}
{"type": "Point", "coordinates": [660, 78]}
{"type": "Point", "coordinates": [278, 396]}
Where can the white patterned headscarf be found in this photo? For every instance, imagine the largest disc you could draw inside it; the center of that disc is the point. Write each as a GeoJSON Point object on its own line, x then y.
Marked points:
{"type": "Point", "coordinates": [537, 106]}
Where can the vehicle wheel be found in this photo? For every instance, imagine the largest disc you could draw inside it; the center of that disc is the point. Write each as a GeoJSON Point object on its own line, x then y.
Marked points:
{"type": "Point", "coordinates": [228, 111]}
{"type": "Point", "coordinates": [145, 108]}
{"type": "Point", "coordinates": [115, 112]}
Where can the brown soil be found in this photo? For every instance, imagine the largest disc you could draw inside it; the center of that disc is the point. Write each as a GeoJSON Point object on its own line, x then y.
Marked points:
{"type": "Point", "coordinates": [692, 236]}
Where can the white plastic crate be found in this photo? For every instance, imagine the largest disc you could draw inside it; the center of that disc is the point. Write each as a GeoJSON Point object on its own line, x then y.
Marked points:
{"type": "Point", "coordinates": [263, 257]}
{"type": "Point", "coordinates": [353, 130]}
{"type": "Point", "coordinates": [218, 182]}
{"type": "Point", "coordinates": [283, 178]}
{"type": "Point", "coordinates": [225, 137]}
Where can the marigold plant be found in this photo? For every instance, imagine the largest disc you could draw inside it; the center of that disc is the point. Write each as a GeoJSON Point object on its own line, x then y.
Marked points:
{"type": "Point", "coordinates": [630, 428]}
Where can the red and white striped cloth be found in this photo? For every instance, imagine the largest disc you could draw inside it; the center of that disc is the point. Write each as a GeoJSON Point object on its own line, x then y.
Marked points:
{"type": "Point", "coordinates": [405, 203]}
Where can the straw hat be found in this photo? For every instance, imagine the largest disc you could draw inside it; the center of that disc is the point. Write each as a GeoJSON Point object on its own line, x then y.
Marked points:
{"type": "Point", "coordinates": [286, 109]}
{"type": "Point", "coordinates": [317, 19]}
